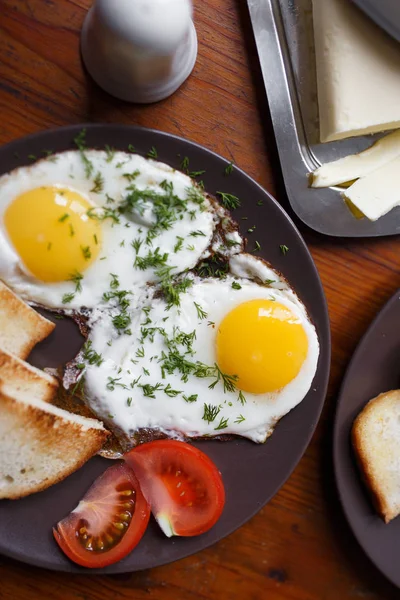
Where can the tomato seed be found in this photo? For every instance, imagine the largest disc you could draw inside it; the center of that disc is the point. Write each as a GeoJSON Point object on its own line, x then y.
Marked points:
{"type": "Point", "coordinates": [88, 544]}
{"type": "Point", "coordinates": [126, 516]}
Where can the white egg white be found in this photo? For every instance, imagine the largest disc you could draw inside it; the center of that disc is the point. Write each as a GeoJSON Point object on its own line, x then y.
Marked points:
{"type": "Point", "coordinates": [133, 390]}
{"type": "Point", "coordinates": [183, 241]}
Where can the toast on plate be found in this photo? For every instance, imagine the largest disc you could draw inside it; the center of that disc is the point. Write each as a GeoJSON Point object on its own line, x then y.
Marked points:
{"type": "Point", "coordinates": [24, 378]}
{"type": "Point", "coordinates": [21, 327]}
{"type": "Point", "coordinates": [376, 441]}
{"type": "Point", "coordinates": [41, 444]}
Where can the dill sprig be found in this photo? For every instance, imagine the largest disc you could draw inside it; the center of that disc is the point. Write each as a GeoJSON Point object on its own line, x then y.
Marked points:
{"type": "Point", "coordinates": [210, 412]}
{"type": "Point", "coordinates": [229, 201]}
{"type": "Point", "coordinates": [227, 380]}
{"type": "Point", "coordinates": [200, 312]}
{"type": "Point", "coordinates": [90, 355]}
{"type": "Point", "coordinates": [80, 143]}
{"type": "Point", "coordinates": [228, 169]}
{"type": "Point", "coordinates": [87, 253]}
{"type": "Point", "coordinates": [98, 184]}
{"type": "Point", "coordinates": [152, 153]}
{"type": "Point", "coordinates": [223, 424]}
{"type": "Point", "coordinates": [110, 153]}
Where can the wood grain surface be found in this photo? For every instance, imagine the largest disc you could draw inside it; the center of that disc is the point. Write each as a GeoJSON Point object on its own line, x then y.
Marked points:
{"type": "Point", "coordinates": [299, 545]}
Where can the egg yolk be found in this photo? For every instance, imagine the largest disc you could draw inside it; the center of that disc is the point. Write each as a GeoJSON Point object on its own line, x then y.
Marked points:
{"type": "Point", "coordinates": [263, 343]}
{"type": "Point", "coordinates": [50, 229]}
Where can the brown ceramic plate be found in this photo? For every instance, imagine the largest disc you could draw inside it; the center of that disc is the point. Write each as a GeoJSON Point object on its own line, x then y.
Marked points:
{"type": "Point", "coordinates": [252, 473]}
{"type": "Point", "coordinates": [374, 368]}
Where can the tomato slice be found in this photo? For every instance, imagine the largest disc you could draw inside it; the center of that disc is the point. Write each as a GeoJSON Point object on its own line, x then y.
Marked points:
{"type": "Point", "coordinates": [108, 522]}
{"type": "Point", "coordinates": [182, 485]}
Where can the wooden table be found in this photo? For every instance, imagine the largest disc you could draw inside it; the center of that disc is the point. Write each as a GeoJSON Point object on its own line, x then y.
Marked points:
{"type": "Point", "coordinates": [299, 546]}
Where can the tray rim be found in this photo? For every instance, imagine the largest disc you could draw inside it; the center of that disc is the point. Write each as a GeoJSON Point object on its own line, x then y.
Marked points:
{"type": "Point", "coordinates": [290, 137]}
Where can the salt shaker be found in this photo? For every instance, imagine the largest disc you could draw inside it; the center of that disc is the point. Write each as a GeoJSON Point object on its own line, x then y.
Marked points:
{"type": "Point", "coordinates": [139, 50]}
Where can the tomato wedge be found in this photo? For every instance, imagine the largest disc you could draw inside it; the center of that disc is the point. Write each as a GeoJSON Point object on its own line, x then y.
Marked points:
{"type": "Point", "coordinates": [182, 485]}
{"type": "Point", "coordinates": [108, 522]}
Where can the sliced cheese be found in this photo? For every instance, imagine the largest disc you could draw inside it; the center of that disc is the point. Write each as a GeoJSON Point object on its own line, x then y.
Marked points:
{"type": "Point", "coordinates": [358, 72]}
{"type": "Point", "coordinates": [377, 193]}
{"type": "Point", "coordinates": [357, 165]}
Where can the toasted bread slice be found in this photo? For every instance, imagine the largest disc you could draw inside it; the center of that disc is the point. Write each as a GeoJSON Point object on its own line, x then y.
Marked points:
{"type": "Point", "coordinates": [21, 327]}
{"type": "Point", "coordinates": [41, 444]}
{"type": "Point", "coordinates": [25, 378]}
{"type": "Point", "coordinates": [376, 441]}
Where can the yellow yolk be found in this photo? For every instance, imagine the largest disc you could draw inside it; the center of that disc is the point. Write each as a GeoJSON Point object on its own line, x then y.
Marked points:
{"type": "Point", "coordinates": [263, 343]}
{"type": "Point", "coordinates": [52, 233]}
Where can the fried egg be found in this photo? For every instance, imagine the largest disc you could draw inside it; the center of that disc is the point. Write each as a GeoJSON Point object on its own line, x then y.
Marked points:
{"type": "Point", "coordinates": [233, 357]}
{"type": "Point", "coordinates": [76, 225]}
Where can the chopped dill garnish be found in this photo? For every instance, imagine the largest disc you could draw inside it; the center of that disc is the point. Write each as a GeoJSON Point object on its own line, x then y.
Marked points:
{"type": "Point", "coordinates": [131, 148]}
{"type": "Point", "coordinates": [87, 253]}
{"type": "Point", "coordinates": [80, 143]}
{"type": "Point", "coordinates": [257, 246]}
{"type": "Point", "coordinates": [102, 214]}
{"type": "Point", "coordinates": [236, 285]}
{"type": "Point", "coordinates": [113, 382]}
{"type": "Point", "coordinates": [229, 200]}
{"type": "Point", "coordinates": [185, 164]}
{"type": "Point", "coordinates": [210, 412]}
{"type": "Point", "coordinates": [241, 398]}
{"type": "Point", "coordinates": [148, 390]}
{"type": "Point", "coordinates": [228, 169]}
{"type": "Point", "coordinates": [197, 233]}
{"type": "Point", "coordinates": [110, 153]}
{"type": "Point", "coordinates": [152, 259]}
{"type": "Point", "coordinates": [200, 312]}
{"type": "Point", "coordinates": [114, 281]}
{"type": "Point", "coordinates": [121, 323]}
{"type": "Point", "coordinates": [76, 278]}
{"type": "Point", "coordinates": [240, 419]}
{"type": "Point", "coordinates": [170, 392]}
{"type": "Point", "coordinates": [63, 218]}
{"type": "Point", "coordinates": [91, 356]}
{"type": "Point", "coordinates": [136, 243]}
{"type": "Point", "coordinates": [179, 244]}
{"type": "Point", "coordinates": [98, 184]}
{"type": "Point", "coordinates": [284, 249]}
{"type": "Point", "coordinates": [223, 424]}
{"type": "Point", "coordinates": [131, 176]}
{"type": "Point", "coordinates": [194, 174]}
{"type": "Point", "coordinates": [152, 153]}
{"type": "Point", "coordinates": [191, 398]}
{"type": "Point", "coordinates": [227, 380]}
{"type": "Point", "coordinates": [67, 298]}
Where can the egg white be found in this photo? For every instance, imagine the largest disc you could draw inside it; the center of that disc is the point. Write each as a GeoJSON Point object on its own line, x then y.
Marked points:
{"type": "Point", "coordinates": [111, 390]}
{"type": "Point", "coordinates": [117, 254]}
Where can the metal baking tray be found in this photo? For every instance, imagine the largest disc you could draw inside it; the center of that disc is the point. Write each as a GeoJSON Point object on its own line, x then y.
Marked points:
{"type": "Point", "coordinates": [285, 42]}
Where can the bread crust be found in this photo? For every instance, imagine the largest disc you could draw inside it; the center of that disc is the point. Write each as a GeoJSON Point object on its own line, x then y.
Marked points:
{"type": "Point", "coordinates": [21, 327]}
{"type": "Point", "coordinates": [38, 448]}
{"type": "Point", "coordinates": [361, 441]}
{"type": "Point", "coordinates": [23, 376]}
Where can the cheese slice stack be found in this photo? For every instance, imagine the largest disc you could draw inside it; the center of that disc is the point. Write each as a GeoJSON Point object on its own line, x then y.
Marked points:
{"type": "Point", "coordinates": [358, 72]}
